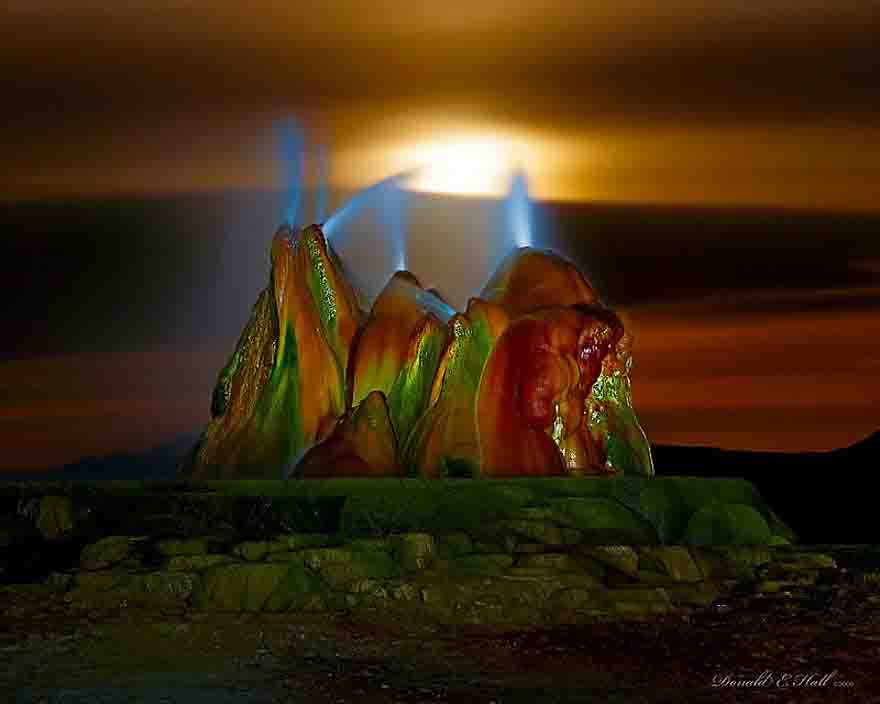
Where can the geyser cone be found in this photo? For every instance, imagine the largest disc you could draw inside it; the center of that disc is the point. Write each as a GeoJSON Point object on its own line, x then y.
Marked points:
{"type": "Point", "coordinates": [330, 292]}
{"type": "Point", "coordinates": [398, 351]}
{"type": "Point", "coordinates": [532, 380]}
{"type": "Point", "coordinates": [444, 441]}
{"type": "Point", "coordinates": [613, 424]}
{"type": "Point", "coordinates": [532, 402]}
{"type": "Point", "coordinates": [362, 444]}
{"type": "Point", "coordinates": [530, 279]}
{"type": "Point", "coordinates": [285, 384]}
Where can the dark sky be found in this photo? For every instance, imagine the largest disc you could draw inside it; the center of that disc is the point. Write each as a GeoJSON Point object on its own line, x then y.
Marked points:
{"type": "Point", "coordinates": [713, 164]}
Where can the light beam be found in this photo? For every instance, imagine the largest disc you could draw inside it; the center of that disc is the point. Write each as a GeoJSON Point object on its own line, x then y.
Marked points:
{"type": "Point", "coordinates": [291, 148]}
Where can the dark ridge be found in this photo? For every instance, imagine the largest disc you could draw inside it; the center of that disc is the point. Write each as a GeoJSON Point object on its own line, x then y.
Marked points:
{"type": "Point", "coordinates": [157, 463]}
{"type": "Point", "coordinates": [826, 497]}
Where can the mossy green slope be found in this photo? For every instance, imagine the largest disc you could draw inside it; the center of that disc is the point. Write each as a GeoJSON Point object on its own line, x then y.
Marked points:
{"type": "Point", "coordinates": [444, 442]}
{"type": "Point", "coordinates": [285, 384]}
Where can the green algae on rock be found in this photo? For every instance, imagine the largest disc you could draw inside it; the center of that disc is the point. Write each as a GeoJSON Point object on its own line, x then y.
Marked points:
{"type": "Point", "coordinates": [56, 517]}
{"type": "Point", "coordinates": [526, 551]}
{"type": "Point", "coordinates": [397, 352]}
{"type": "Point", "coordinates": [444, 441]}
{"type": "Point", "coordinates": [728, 524]}
{"type": "Point", "coordinates": [285, 384]}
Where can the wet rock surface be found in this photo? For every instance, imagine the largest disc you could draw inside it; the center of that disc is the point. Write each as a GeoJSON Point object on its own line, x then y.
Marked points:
{"type": "Point", "coordinates": [407, 577]}
{"type": "Point", "coordinates": [449, 552]}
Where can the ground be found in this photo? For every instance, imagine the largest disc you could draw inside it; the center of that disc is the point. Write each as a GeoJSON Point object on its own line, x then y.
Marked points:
{"type": "Point", "coordinates": [52, 651]}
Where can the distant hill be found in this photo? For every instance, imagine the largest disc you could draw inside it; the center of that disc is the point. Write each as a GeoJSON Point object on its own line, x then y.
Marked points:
{"type": "Point", "coordinates": [159, 462]}
{"type": "Point", "coordinates": [826, 497]}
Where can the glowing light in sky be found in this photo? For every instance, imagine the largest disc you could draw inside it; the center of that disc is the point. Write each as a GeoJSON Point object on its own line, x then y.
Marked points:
{"type": "Point", "coordinates": [472, 165]}
{"type": "Point", "coordinates": [518, 211]}
{"type": "Point", "coordinates": [460, 157]}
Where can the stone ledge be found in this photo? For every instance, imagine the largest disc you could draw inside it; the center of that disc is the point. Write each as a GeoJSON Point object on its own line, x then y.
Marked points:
{"type": "Point", "coordinates": [380, 580]}
{"type": "Point", "coordinates": [560, 512]}
{"type": "Point", "coordinates": [519, 551]}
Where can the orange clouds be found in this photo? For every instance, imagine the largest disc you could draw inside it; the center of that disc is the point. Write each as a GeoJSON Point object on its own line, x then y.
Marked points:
{"type": "Point", "coordinates": [776, 381]}
{"type": "Point", "coordinates": [58, 409]}
{"type": "Point", "coordinates": [757, 380]}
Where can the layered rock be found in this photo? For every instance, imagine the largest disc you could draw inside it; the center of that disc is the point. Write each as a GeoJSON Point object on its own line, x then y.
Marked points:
{"type": "Point", "coordinates": [449, 552]}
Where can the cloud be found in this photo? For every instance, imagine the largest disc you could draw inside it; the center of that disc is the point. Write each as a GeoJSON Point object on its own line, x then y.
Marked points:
{"type": "Point", "coordinates": [82, 72]}
{"type": "Point", "coordinates": [806, 381]}
{"type": "Point", "coordinates": [57, 409]}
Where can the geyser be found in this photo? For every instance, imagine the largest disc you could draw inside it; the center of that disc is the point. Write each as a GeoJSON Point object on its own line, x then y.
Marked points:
{"type": "Point", "coordinates": [518, 211]}
{"type": "Point", "coordinates": [533, 378]}
{"type": "Point", "coordinates": [291, 145]}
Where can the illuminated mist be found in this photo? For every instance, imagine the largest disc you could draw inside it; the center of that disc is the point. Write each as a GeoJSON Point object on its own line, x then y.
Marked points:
{"type": "Point", "coordinates": [518, 211]}
{"type": "Point", "coordinates": [429, 301]}
{"type": "Point", "coordinates": [323, 186]}
{"type": "Point", "coordinates": [373, 236]}
{"type": "Point", "coordinates": [291, 145]}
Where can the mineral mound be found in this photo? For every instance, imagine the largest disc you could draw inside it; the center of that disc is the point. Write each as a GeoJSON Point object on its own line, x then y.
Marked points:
{"type": "Point", "coordinates": [532, 379]}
